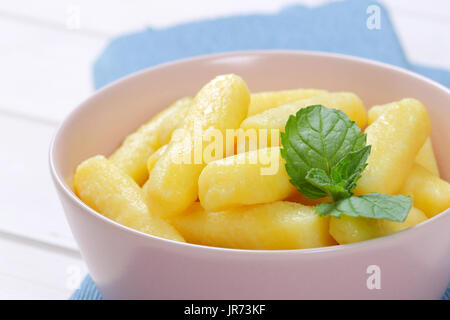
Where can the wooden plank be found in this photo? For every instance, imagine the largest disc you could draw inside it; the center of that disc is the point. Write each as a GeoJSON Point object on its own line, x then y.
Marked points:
{"type": "Point", "coordinates": [28, 202]}
{"type": "Point", "coordinates": [37, 272]}
{"type": "Point", "coordinates": [45, 73]}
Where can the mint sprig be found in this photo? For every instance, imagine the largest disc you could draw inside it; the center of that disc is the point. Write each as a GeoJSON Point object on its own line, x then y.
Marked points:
{"type": "Point", "coordinates": [371, 205]}
{"type": "Point", "coordinates": [325, 154]}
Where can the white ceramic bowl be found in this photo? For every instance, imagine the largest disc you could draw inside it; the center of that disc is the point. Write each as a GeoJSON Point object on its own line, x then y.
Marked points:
{"type": "Point", "coordinates": [128, 264]}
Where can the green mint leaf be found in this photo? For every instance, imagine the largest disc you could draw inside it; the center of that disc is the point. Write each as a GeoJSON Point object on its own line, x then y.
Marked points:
{"type": "Point", "coordinates": [325, 154]}
{"type": "Point", "coordinates": [349, 168]}
{"type": "Point", "coordinates": [320, 179]}
{"type": "Point", "coordinates": [372, 205]}
{"type": "Point", "coordinates": [320, 138]}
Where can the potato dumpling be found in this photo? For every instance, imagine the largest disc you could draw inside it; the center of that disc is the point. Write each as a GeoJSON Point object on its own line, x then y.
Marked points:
{"type": "Point", "coordinates": [376, 111]}
{"type": "Point", "coordinates": [430, 193]}
{"type": "Point", "coordinates": [261, 101]}
{"type": "Point", "coordinates": [396, 137]}
{"type": "Point", "coordinates": [276, 118]}
{"type": "Point", "coordinates": [132, 155]}
{"type": "Point", "coordinates": [155, 157]}
{"type": "Point", "coordinates": [248, 178]}
{"type": "Point", "coordinates": [348, 229]}
{"type": "Point", "coordinates": [173, 184]}
{"type": "Point", "coordinates": [276, 225]}
{"type": "Point", "coordinates": [208, 170]}
{"type": "Point", "coordinates": [425, 157]}
{"type": "Point", "coordinates": [111, 192]}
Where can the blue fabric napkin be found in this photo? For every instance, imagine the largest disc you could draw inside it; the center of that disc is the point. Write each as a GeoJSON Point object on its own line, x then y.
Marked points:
{"type": "Point", "coordinates": [335, 27]}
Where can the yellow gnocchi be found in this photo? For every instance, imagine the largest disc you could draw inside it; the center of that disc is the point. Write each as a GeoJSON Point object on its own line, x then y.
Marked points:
{"type": "Point", "coordinates": [276, 225]}
{"type": "Point", "coordinates": [276, 118]}
{"type": "Point", "coordinates": [348, 229]}
{"type": "Point", "coordinates": [252, 177]}
{"type": "Point", "coordinates": [132, 155]}
{"type": "Point", "coordinates": [173, 184]}
{"type": "Point", "coordinates": [108, 190]}
{"type": "Point", "coordinates": [396, 137]}
{"type": "Point", "coordinates": [263, 101]}
{"type": "Point", "coordinates": [430, 193]}
{"type": "Point", "coordinates": [425, 156]}
{"type": "Point", "coordinates": [210, 170]}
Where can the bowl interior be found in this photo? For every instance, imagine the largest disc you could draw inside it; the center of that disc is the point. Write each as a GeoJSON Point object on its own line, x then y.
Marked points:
{"type": "Point", "coordinates": [99, 125]}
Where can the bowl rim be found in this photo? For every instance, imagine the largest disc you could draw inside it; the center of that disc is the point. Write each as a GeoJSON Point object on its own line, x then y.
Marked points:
{"type": "Point", "coordinates": [366, 244]}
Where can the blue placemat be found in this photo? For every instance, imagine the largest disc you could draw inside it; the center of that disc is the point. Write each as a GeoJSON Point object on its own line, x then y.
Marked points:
{"type": "Point", "coordinates": [340, 27]}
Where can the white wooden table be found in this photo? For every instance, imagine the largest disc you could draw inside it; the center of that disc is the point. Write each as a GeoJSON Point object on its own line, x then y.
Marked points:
{"type": "Point", "coordinates": [47, 49]}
